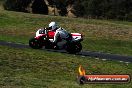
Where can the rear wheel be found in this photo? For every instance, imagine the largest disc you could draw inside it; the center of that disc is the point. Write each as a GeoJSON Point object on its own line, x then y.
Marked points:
{"type": "Point", "coordinates": [74, 47]}
{"type": "Point", "coordinates": [78, 47]}
{"type": "Point", "coordinates": [35, 44]}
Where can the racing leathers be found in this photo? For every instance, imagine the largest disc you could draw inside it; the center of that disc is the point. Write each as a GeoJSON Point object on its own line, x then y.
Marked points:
{"type": "Point", "coordinates": [60, 34]}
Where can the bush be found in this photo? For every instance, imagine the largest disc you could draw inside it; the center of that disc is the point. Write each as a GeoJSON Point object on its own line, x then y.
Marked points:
{"type": "Point", "coordinates": [16, 5]}
{"type": "Point", "coordinates": [110, 9]}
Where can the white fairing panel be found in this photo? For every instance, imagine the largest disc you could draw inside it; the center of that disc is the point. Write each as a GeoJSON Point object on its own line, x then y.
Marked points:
{"type": "Point", "coordinates": [38, 33]}
{"type": "Point", "coordinates": [76, 36]}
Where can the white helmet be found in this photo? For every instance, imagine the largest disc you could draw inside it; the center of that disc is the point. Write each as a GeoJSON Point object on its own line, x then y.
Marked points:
{"type": "Point", "coordinates": [53, 25]}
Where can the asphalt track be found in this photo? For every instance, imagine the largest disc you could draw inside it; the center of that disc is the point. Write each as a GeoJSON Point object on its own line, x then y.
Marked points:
{"type": "Point", "coordinates": [97, 55]}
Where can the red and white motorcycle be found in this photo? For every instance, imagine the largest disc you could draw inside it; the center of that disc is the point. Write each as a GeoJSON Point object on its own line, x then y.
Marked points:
{"type": "Point", "coordinates": [44, 38]}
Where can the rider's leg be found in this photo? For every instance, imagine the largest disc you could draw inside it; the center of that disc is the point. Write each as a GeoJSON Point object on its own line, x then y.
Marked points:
{"type": "Point", "coordinates": [55, 41]}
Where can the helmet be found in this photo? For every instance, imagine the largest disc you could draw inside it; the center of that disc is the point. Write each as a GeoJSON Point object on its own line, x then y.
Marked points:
{"type": "Point", "coordinates": [53, 25]}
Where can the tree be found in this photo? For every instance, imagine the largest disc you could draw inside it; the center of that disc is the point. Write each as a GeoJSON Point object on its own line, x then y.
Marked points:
{"type": "Point", "coordinates": [40, 7]}
{"type": "Point", "coordinates": [78, 8]}
{"type": "Point", "coordinates": [110, 9]}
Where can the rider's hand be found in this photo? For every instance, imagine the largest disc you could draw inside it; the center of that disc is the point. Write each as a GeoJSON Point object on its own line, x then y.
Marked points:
{"type": "Point", "coordinates": [46, 28]}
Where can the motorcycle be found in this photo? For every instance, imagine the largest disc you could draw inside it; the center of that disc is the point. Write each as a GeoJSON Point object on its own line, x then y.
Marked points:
{"type": "Point", "coordinates": [44, 38]}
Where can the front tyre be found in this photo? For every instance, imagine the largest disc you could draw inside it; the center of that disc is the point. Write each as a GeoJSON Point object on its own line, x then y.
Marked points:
{"type": "Point", "coordinates": [35, 43]}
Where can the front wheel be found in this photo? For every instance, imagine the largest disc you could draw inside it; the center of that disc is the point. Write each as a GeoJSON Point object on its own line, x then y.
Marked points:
{"type": "Point", "coordinates": [35, 44]}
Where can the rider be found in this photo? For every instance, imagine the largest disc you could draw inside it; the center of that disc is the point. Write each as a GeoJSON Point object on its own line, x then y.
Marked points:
{"type": "Point", "coordinates": [60, 33]}
{"type": "Point", "coordinates": [53, 26]}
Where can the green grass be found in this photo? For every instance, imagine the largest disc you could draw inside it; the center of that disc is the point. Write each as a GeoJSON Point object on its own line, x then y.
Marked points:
{"type": "Point", "coordinates": [109, 46]}
{"type": "Point", "coordinates": [28, 68]}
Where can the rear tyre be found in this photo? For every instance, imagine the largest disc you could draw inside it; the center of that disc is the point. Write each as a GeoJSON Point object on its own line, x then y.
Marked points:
{"type": "Point", "coordinates": [78, 47]}
{"type": "Point", "coordinates": [74, 47]}
{"type": "Point", "coordinates": [35, 44]}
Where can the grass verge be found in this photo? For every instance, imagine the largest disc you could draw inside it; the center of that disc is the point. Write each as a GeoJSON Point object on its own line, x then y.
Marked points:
{"type": "Point", "coordinates": [37, 69]}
